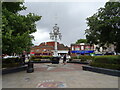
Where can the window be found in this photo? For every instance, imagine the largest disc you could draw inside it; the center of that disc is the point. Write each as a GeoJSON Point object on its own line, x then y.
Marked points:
{"type": "Point", "coordinates": [32, 50]}
{"type": "Point", "coordinates": [87, 47]}
{"type": "Point", "coordinates": [72, 47]}
{"type": "Point", "coordinates": [82, 47]}
{"type": "Point", "coordinates": [37, 50]}
{"type": "Point", "coordinates": [77, 48]}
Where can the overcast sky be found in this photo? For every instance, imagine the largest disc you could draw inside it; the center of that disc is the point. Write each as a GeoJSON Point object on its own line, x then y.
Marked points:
{"type": "Point", "coordinates": [70, 17]}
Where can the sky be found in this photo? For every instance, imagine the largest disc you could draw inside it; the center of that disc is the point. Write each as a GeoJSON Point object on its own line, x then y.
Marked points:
{"type": "Point", "coordinates": [70, 17]}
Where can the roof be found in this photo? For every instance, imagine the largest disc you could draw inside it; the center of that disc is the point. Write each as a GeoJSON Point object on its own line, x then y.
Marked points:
{"type": "Point", "coordinates": [52, 45]}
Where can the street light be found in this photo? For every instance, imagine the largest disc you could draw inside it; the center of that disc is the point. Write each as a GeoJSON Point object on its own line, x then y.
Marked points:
{"type": "Point", "coordinates": [55, 35]}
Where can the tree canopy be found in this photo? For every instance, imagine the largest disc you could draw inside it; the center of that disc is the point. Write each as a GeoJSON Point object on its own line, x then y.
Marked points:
{"type": "Point", "coordinates": [104, 26]}
{"type": "Point", "coordinates": [16, 28]}
{"type": "Point", "coordinates": [81, 41]}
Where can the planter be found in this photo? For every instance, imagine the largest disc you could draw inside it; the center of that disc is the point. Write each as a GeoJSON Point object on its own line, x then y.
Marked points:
{"type": "Point", "coordinates": [55, 60]}
{"type": "Point", "coordinates": [13, 70]}
{"type": "Point", "coordinates": [41, 61]}
{"type": "Point", "coordinates": [102, 70]}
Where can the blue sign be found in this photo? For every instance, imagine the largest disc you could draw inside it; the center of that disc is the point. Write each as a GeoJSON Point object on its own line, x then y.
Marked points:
{"type": "Point", "coordinates": [82, 52]}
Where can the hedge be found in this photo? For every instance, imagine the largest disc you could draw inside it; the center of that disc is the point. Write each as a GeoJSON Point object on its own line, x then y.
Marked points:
{"type": "Point", "coordinates": [11, 62]}
{"type": "Point", "coordinates": [111, 59]}
{"type": "Point", "coordinates": [83, 58]}
{"type": "Point", "coordinates": [38, 58]}
{"type": "Point", "coordinates": [109, 62]}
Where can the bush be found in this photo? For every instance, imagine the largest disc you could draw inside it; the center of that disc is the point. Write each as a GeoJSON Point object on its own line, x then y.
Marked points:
{"type": "Point", "coordinates": [112, 59]}
{"type": "Point", "coordinates": [110, 62]}
{"type": "Point", "coordinates": [108, 66]}
{"type": "Point", "coordinates": [36, 59]}
{"type": "Point", "coordinates": [11, 62]}
{"type": "Point", "coordinates": [75, 57]}
{"type": "Point", "coordinates": [84, 58]}
{"type": "Point", "coordinates": [40, 57]}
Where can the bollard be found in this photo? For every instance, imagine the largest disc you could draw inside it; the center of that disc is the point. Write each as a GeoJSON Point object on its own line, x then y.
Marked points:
{"type": "Point", "coordinates": [30, 67]}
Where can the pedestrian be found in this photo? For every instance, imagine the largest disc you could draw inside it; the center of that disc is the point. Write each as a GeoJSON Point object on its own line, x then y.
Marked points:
{"type": "Point", "coordinates": [23, 57]}
{"type": "Point", "coordinates": [64, 59]}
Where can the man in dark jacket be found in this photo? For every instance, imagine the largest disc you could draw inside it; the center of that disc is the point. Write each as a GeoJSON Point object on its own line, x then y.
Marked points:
{"type": "Point", "coordinates": [64, 59]}
{"type": "Point", "coordinates": [23, 57]}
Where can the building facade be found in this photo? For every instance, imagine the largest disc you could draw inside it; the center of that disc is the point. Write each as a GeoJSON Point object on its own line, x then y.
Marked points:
{"type": "Point", "coordinates": [87, 49]}
{"type": "Point", "coordinates": [81, 49]}
{"type": "Point", "coordinates": [105, 49]}
{"type": "Point", "coordinates": [47, 49]}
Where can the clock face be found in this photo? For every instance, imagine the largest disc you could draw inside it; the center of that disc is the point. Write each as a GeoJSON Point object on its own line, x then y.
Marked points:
{"type": "Point", "coordinates": [56, 28]}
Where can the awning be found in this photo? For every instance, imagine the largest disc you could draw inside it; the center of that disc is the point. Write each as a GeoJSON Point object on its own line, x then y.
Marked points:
{"type": "Point", "coordinates": [63, 51]}
{"type": "Point", "coordinates": [86, 51]}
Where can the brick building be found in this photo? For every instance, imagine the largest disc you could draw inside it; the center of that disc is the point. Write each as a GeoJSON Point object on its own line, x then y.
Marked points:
{"type": "Point", "coordinates": [47, 49]}
{"type": "Point", "coordinates": [81, 49]}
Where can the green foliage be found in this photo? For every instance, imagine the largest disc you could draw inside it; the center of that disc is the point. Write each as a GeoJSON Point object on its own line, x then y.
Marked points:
{"type": "Point", "coordinates": [81, 41]}
{"type": "Point", "coordinates": [37, 59]}
{"type": "Point", "coordinates": [84, 58]}
{"type": "Point", "coordinates": [104, 26]}
{"type": "Point", "coordinates": [40, 57]}
{"type": "Point", "coordinates": [110, 62]}
{"type": "Point", "coordinates": [11, 62]}
{"type": "Point", "coordinates": [16, 28]}
{"type": "Point", "coordinates": [108, 66]}
{"type": "Point", "coordinates": [111, 59]}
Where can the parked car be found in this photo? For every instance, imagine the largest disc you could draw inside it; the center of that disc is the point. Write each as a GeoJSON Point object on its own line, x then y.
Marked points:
{"type": "Point", "coordinates": [10, 57]}
{"type": "Point", "coordinates": [67, 57]}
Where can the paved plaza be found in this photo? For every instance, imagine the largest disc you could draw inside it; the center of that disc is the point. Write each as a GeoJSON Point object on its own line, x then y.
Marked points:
{"type": "Point", "coordinates": [47, 75]}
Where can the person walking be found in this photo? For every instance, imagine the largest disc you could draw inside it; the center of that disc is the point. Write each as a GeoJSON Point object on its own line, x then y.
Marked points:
{"type": "Point", "coordinates": [64, 59]}
{"type": "Point", "coordinates": [23, 57]}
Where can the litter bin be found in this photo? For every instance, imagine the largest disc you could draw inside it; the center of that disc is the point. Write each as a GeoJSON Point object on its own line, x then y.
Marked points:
{"type": "Point", "coordinates": [55, 60]}
{"type": "Point", "coordinates": [30, 67]}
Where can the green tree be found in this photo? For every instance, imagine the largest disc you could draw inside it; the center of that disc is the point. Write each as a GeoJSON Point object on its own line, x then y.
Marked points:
{"type": "Point", "coordinates": [81, 41]}
{"type": "Point", "coordinates": [16, 28]}
{"type": "Point", "coordinates": [104, 26]}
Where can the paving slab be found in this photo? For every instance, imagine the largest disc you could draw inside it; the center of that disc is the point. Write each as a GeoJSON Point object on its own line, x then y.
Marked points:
{"type": "Point", "coordinates": [59, 76]}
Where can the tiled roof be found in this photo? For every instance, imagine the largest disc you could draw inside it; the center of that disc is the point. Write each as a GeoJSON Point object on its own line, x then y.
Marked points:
{"type": "Point", "coordinates": [51, 45]}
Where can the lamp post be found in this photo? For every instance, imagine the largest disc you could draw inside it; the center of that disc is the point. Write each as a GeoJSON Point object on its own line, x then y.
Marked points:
{"type": "Point", "coordinates": [55, 35]}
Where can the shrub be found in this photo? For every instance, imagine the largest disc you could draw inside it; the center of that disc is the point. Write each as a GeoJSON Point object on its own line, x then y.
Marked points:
{"type": "Point", "coordinates": [40, 57]}
{"type": "Point", "coordinates": [84, 58]}
{"type": "Point", "coordinates": [74, 57]}
{"type": "Point", "coordinates": [112, 59]}
{"type": "Point", "coordinates": [11, 62]}
{"type": "Point", "coordinates": [110, 62]}
{"type": "Point", "coordinates": [36, 59]}
{"type": "Point", "coordinates": [108, 66]}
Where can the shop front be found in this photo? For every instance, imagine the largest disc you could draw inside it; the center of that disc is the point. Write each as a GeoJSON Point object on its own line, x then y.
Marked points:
{"type": "Point", "coordinates": [82, 52]}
